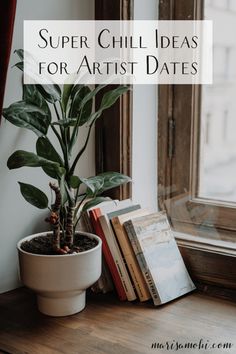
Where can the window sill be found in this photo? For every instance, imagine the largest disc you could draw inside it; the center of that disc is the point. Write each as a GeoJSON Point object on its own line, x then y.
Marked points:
{"type": "Point", "coordinates": [221, 247]}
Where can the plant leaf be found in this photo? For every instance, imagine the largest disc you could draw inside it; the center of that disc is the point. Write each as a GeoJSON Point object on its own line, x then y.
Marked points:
{"type": "Point", "coordinates": [98, 184]}
{"type": "Point", "coordinates": [86, 108]}
{"type": "Point", "coordinates": [21, 158]}
{"type": "Point", "coordinates": [108, 100]}
{"type": "Point", "coordinates": [94, 202]}
{"type": "Point", "coordinates": [46, 150]}
{"type": "Point", "coordinates": [75, 89]}
{"type": "Point", "coordinates": [75, 182]}
{"type": "Point", "coordinates": [32, 95]}
{"type": "Point", "coordinates": [34, 195]}
{"type": "Point", "coordinates": [67, 89]}
{"type": "Point", "coordinates": [92, 94]}
{"type": "Point", "coordinates": [66, 122]}
{"type": "Point", "coordinates": [112, 180]}
{"type": "Point", "coordinates": [51, 93]}
{"type": "Point", "coordinates": [27, 115]}
{"type": "Point", "coordinates": [94, 184]}
{"type": "Point", "coordinates": [112, 96]}
{"type": "Point", "coordinates": [20, 65]}
{"type": "Point", "coordinates": [20, 53]}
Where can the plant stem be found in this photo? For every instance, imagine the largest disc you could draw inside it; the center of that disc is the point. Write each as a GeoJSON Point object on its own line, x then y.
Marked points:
{"type": "Point", "coordinates": [75, 130]}
{"type": "Point", "coordinates": [67, 130]}
{"type": "Point", "coordinates": [55, 218]}
{"type": "Point", "coordinates": [77, 209]}
{"type": "Point", "coordinates": [64, 139]}
{"type": "Point", "coordinates": [76, 195]}
{"type": "Point", "coordinates": [60, 141]}
{"type": "Point", "coordinates": [80, 152]}
{"type": "Point", "coordinates": [69, 225]}
{"type": "Point", "coordinates": [61, 128]}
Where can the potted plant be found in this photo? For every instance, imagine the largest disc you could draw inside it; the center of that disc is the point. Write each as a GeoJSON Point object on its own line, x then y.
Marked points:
{"type": "Point", "coordinates": [61, 264]}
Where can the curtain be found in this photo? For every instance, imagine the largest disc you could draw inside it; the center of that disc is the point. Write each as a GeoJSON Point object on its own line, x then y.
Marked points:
{"type": "Point", "coordinates": [7, 16]}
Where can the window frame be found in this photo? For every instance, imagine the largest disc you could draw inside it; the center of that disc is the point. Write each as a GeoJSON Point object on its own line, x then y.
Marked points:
{"type": "Point", "coordinates": [209, 259]}
{"type": "Point", "coordinates": [113, 131]}
{"type": "Point", "coordinates": [179, 147]}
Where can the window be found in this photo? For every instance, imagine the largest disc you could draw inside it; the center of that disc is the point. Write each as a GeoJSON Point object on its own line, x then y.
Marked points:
{"type": "Point", "coordinates": [197, 143]}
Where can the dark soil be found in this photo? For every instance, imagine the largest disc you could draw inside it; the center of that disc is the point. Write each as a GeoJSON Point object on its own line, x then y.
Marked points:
{"type": "Point", "coordinates": [43, 245]}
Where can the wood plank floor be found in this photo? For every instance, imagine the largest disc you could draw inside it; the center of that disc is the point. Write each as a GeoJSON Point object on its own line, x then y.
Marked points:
{"type": "Point", "coordinates": [108, 326]}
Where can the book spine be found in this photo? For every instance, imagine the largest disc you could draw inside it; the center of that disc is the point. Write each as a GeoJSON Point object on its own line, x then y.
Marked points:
{"type": "Point", "coordinates": [118, 259]}
{"type": "Point", "coordinates": [142, 262]}
{"type": "Point", "coordinates": [94, 215]}
{"type": "Point", "coordinates": [131, 261]}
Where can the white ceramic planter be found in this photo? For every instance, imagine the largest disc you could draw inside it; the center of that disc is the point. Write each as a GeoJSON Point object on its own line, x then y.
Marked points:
{"type": "Point", "coordinates": [60, 281]}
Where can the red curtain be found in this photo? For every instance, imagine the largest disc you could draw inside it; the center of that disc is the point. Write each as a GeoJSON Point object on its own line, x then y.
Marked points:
{"type": "Point", "coordinates": [7, 16]}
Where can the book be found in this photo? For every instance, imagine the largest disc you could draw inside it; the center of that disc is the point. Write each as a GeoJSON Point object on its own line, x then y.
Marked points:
{"type": "Point", "coordinates": [117, 257]}
{"type": "Point", "coordinates": [128, 252]}
{"type": "Point", "coordinates": [159, 257]}
{"type": "Point", "coordinates": [94, 215]}
{"type": "Point", "coordinates": [105, 207]}
{"type": "Point", "coordinates": [104, 284]}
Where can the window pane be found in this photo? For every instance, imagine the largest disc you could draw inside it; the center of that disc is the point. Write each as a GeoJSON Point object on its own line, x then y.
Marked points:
{"type": "Point", "coordinates": [218, 117]}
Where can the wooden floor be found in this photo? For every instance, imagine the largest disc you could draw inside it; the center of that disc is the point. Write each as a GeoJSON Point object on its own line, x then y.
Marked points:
{"type": "Point", "coordinates": [108, 326]}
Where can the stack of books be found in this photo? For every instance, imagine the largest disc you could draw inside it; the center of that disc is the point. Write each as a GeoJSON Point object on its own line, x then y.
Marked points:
{"type": "Point", "coordinates": [141, 259]}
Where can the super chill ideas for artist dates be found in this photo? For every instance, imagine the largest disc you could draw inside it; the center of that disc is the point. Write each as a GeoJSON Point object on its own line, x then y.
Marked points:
{"type": "Point", "coordinates": [152, 63]}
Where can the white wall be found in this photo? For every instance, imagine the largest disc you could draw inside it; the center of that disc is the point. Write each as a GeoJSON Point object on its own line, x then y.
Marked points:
{"type": "Point", "coordinates": [145, 126]}
{"type": "Point", "coordinates": [17, 218]}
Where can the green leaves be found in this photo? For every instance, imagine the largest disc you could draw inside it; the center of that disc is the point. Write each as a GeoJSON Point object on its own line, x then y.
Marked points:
{"type": "Point", "coordinates": [65, 123]}
{"type": "Point", "coordinates": [66, 96]}
{"type": "Point", "coordinates": [92, 94]}
{"type": "Point", "coordinates": [29, 116]}
{"type": "Point", "coordinates": [94, 184]}
{"type": "Point", "coordinates": [75, 182]}
{"type": "Point", "coordinates": [34, 195]}
{"type": "Point", "coordinates": [94, 202]}
{"type": "Point", "coordinates": [112, 180]}
{"type": "Point", "coordinates": [20, 65]}
{"type": "Point", "coordinates": [98, 184]}
{"type": "Point", "coordinates": [51, 93]}
{"type": "Point", "coordinates": [112, 96]}
{"type": "Point", "coordinates": [82, 112]}
{"type": "Point", "coordinates": [33, 113]}
{"type": "Point", "coordinates": [22, 158]}
{"type": "Point", "coordinates": [19, 53]}
{"type": "Point", "coordinates": [32, 95]}
{"type": "Point", "coordinates": [109, 98]}
{"type": "Point", "coordinates": [46, 150]}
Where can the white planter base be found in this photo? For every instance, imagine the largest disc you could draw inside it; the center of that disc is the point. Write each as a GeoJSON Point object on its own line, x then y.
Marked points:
{"type": "Point", "coordinates": [60, 281]}
{"type": "Point", "coordinates": [61, 304]}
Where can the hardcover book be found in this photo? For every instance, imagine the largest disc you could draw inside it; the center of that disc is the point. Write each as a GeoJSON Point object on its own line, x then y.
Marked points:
{"type": "Point", "coordinates": [159, 257]}
{"type": "Point", "coordinates": [95, 214]}
{"type": "Point", "coordinates": [117, 257]}
{"type": "Point", "coordinates": [128, 252]}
